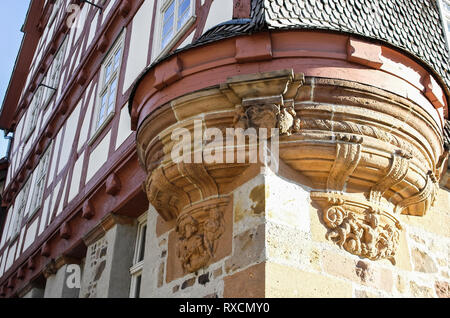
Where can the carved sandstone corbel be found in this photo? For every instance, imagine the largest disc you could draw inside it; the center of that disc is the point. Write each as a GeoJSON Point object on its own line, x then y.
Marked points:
{"type": "Point", "coordinates": [268, 113]}
{"type": "Point", "coordinates": [199, 230]}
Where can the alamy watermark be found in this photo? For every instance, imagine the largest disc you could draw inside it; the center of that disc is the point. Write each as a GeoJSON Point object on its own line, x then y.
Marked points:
{"type": "Point", "coordinates": [73, 20]}
{"type": "Point", "coordinates": [230, 146]}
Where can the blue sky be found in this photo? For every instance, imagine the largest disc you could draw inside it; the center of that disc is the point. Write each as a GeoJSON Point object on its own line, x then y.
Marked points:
{"type": "Point", "coordinates": [12, 17]}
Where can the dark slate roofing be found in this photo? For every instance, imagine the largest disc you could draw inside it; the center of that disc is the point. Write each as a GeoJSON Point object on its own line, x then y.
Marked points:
{"type": "Point", "coordinates": [412, 25]}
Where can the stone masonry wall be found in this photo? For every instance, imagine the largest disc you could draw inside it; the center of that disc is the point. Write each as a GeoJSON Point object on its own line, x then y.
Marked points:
{"type": "Point", "coordinates": [279, 249]}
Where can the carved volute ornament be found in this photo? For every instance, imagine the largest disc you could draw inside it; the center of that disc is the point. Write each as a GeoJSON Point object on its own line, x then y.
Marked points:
{"type": "Point", "coordinates": [368, 155]}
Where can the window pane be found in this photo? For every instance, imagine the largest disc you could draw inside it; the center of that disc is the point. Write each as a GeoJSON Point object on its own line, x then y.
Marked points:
{"type": "Point", "coordinates": [183, 12]}
{"type": "Point", "coordinates": [142, 243]}
{"type": "Point", "coordinates": [108, 72]}
{"type": "Point", "coordinates": [168, 23]}
{"type": "Point", "coordinates": [117, 59]}
{"type": "Point", "coordinates": [102, 110]}
{"type": "Point", "coordinates": [112, 96]}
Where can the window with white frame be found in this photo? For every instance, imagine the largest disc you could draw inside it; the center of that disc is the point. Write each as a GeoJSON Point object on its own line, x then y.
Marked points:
{"type": "Point", "coordinates": [138, 260]}
{"type": "Point", "coordinates": [54, 75]}
{"type": "Point", "coordinates": [35, 107]}
{"type": "Point", "coordinates": [21, 203]}
{"type": "Point", "coordinates": [175, 17]}
{"type": "Point", "coordinates": [40, 176]}
{"type": "Point", "coordinates": [109, 81]}
{"type": "Point", "coordinates": [45, 91]}
{"type": "Point", "coordinates": [445, 9]}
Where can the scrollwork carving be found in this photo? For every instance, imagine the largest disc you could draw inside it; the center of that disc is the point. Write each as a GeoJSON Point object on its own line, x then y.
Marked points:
{"type": "Point", "coordinates": [359, 228]}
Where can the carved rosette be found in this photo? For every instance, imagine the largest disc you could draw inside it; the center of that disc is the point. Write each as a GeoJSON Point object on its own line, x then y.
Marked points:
{"type": "Point", "coordinates": [199, 230]}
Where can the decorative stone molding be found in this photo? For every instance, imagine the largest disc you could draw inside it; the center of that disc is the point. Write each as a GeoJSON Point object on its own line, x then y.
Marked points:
{"type": "Point", "coordinates": [199, 229]}
{"type": "Point", "coordinates": [268, 113]}
{"type": "Point", "coordinates": [359, 226]}
{"type": "Point", "coordinates": [370, 155]}
{"type": "Point", "coordinates": [251, 101]}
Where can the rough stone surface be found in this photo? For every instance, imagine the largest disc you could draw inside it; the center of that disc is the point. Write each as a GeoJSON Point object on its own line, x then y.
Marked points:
{"type": "Point", "coordinates": [249, 283]}
{"type": "Point", "coordinates": [249, 247]}
{"type": "Point", "coordinates": [442, 289]}
{"type": "Point", "coordinates": [283, 281]}
{"type": "Point", "coordinates": [421, 291]}
{"type": "Point", "coordinates": [423, 262]}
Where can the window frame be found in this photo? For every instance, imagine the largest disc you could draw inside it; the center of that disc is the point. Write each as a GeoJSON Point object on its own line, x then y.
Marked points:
{"type": "Point", "coordinates": [139, 250]}
{"type": "Point", "coordinates": [445, 17]}
{"type": "Point", "coordinates": [163, 5]}
{"type": "Point", "coordinates": [42, 174]}
{"type": "Point", "coordinates": [20, 212]}
{"type": "Point", "coordinates": [34, 112]}
{"type": "Point", "coordinates": [54, 74]}
{"type": "Point", "coordinates": [104, 87]}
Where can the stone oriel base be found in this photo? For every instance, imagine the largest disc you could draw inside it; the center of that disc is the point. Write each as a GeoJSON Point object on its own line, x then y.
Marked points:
{"type": "Point", "coordinates": [359, 157]}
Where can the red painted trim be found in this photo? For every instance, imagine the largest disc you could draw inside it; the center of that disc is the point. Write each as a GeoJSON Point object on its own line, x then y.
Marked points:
{"type": "Point", "coordinates": [317, 54]}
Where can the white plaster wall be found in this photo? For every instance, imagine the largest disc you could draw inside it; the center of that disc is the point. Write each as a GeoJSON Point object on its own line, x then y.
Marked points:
{"type": "Point", "coordinates": [44, 215]}
{"type": "Point", "coordinates": [107, 9]}
{"type": "Point", "coordinates": [31, 234]}
{"type": "Point", "coordinates": [92, 30]}
{"type": "Point", "coordinates": [19, 245]}
{"type": "Point", "coordinates": [3, 264]}
{"type": "Point", "coordinates": [53, 202]}
{"type": "Point", "coordinates": [98, 157]}
{"type": "Point", "coordinates": [54, 158]}
{"type": "Point", "coordinates": [76, 177]}
{"type": "Point", "coordinates": [10, 258]}
{"type": "Point", "coordinates": [124, 129]}
{"type": "Point", "coordinates": [220, 11]}
{"type": "Point", "coordinates": [139, 43]}
{"type": "Point", "coordinates": [61, 201]}
{"type": "Point", "coordinates": [69, 137]}
{"type": "Point", "coordinates": [81, 22]}
{"type": "Point", "coordinates": [188, 40]}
